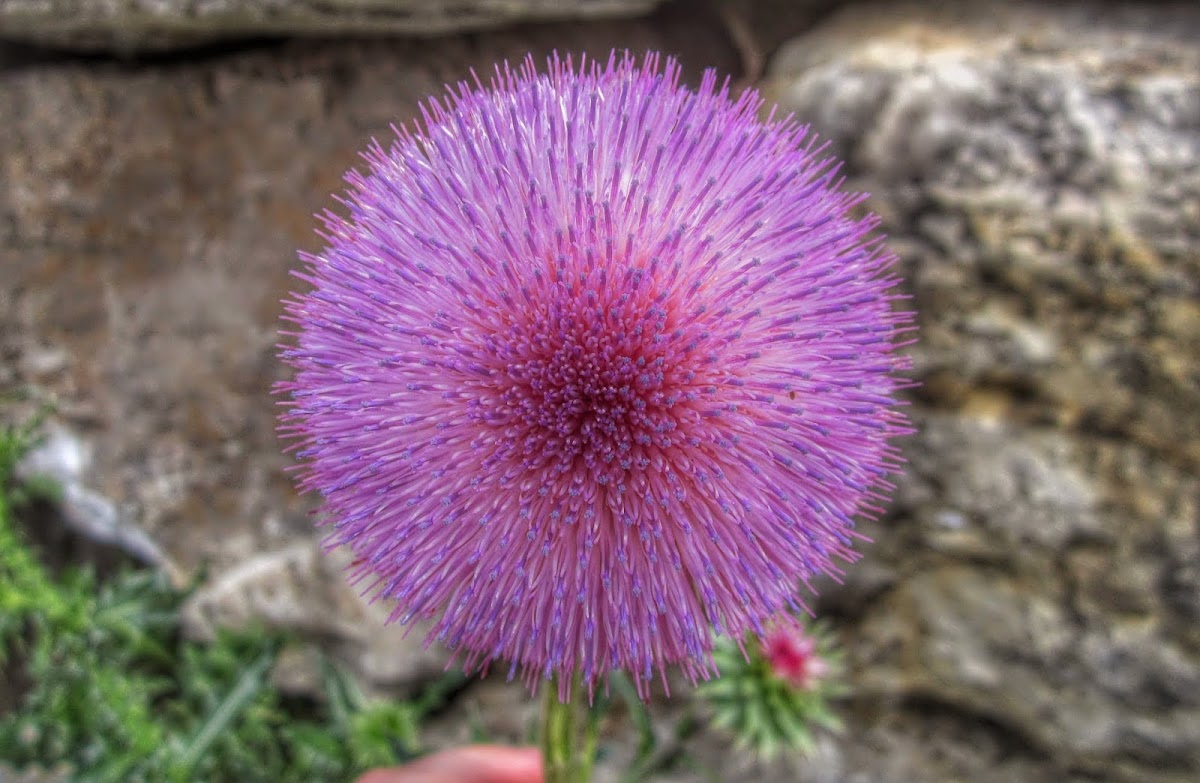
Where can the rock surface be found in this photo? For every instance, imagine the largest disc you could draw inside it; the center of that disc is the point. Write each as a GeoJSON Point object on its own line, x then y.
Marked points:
{"type": "Point", "coordinates": [1030, 609]}
{"type": "Point", "coordinates": [301, 588]}
{"type": "Point", "coordinates": [1039, 170]}
{"type": "Point", "coordinates": [131, 26]}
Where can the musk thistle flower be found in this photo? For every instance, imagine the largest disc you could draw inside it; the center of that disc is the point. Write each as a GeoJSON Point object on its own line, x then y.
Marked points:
{"type": "Point", "coordinates": [593, 366]}
{"type": "Point", "coordinates": [775, 694]}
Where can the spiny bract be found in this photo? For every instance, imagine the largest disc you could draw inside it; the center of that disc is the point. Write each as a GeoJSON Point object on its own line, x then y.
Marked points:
{"type": "Point", "coordinates": [595, 366]}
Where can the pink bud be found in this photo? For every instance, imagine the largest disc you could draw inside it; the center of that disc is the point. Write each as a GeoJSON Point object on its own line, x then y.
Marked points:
{"type": "Point", "coordinates": [793, 657]}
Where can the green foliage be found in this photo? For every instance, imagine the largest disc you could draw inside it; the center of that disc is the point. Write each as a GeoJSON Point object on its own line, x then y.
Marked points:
{"type": "Point", "coordinates": [765, 712]}
{"type": "Point", "coordinates": [110, 687]}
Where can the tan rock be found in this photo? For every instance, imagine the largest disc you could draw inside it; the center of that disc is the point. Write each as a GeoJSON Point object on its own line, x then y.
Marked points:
{"type": "Point", "coordinates": [1038, 169]}
{"type": "Point", "coordinates": [139, 25]}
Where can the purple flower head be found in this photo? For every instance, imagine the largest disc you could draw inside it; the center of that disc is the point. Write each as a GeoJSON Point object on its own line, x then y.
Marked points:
{"type": "Point", "coordinates": [595, 365]}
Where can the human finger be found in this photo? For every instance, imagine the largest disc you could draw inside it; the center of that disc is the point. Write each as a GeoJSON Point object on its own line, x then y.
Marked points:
{"type": "Point", "coordinates": [473, 764]}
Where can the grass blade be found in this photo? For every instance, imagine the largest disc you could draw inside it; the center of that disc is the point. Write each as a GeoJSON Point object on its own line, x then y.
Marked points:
{"type": "Point", "coordinates": [248, 686]}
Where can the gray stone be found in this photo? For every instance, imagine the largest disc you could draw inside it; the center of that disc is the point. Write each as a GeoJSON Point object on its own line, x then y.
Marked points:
{"type": "Point", "coordinates": [304, 589]}
{"type": "Point", "coordinates": [139, 25]}
{"type": "Point", "coordinates": [61, 458]}
{"type": "Point", "coordinates": [1038, 169]}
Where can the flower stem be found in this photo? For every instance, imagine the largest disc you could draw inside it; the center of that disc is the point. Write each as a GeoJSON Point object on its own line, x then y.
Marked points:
{"type": "Point", "coordinates": [569, 736]}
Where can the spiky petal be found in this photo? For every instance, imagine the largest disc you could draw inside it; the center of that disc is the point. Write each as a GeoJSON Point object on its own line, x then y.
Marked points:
{"type": "Point", "coordinates": [595, 364]}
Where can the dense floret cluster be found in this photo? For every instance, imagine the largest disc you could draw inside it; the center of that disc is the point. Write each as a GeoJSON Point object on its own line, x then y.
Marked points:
{"type": "Point", "coordinates": [595, 365]}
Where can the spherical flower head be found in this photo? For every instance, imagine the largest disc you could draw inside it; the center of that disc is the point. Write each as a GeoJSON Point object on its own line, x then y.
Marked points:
{"type": "Point", "coordinates": [594, 366]}
{"type": "Point", "coordinates": [793, 657]}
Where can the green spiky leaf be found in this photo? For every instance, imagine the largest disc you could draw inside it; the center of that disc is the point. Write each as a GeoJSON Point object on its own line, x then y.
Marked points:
{"type": "Point", "coordinates": [765, 712]}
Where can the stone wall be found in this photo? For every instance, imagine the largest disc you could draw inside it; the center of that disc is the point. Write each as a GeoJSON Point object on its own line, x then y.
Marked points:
{"type": "Point", "coordinates": [1029, 608]}
{"type": "Point", "coordinates": [1038, 167]}
{"type": "Point", "coordinates": [131, 26]}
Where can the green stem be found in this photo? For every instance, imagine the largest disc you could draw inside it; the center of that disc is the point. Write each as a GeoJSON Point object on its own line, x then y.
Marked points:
{"type": "Point", "coordinates": [569, 736]}
{"type": "Point", "coordinates": [591, 740]}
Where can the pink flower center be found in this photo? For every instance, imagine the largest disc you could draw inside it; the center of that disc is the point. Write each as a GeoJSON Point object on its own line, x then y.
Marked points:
{"type": "Point", "coordinates": [793, 657]}
{"type": "Point", "coordinates": [597, 383]}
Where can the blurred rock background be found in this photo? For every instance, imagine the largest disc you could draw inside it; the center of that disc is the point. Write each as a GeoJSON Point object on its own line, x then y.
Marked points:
{"type": "Point", "coordinates": [1030, 610]}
